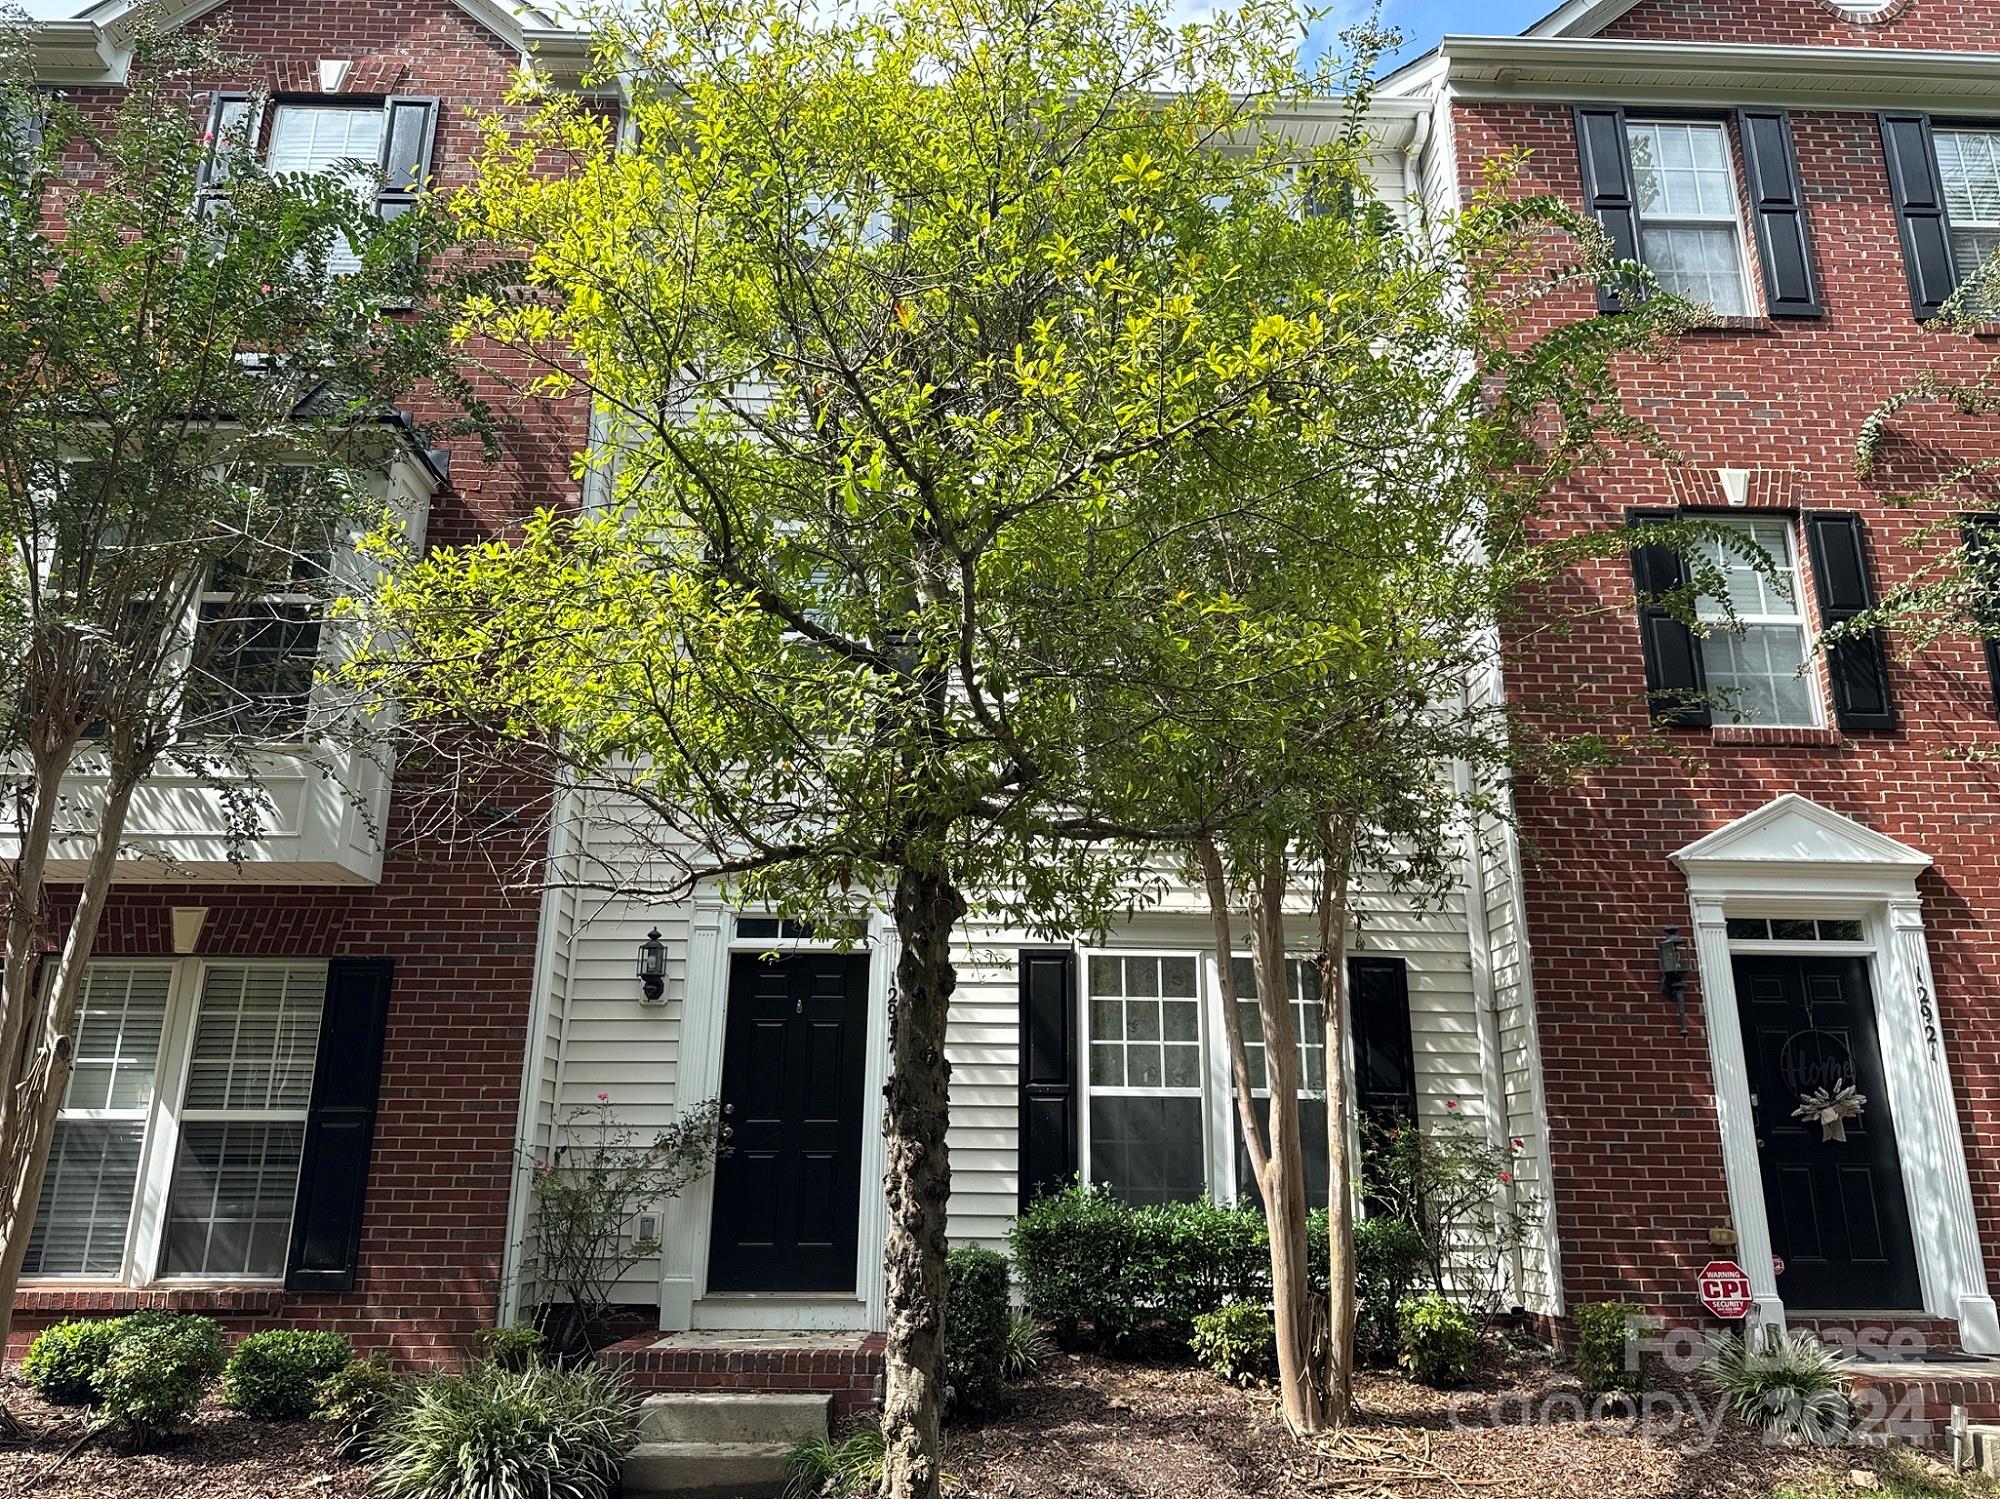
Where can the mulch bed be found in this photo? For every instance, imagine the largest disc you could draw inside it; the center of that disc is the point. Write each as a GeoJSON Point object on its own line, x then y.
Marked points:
{"type": "Point", "coordinates": [1119, 1431]}
{"type": "Point", "coordinates": [226, 1456]}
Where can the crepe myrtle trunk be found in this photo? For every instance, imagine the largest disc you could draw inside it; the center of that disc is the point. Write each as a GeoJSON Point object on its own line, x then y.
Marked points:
{"type": "Point", "coordinates": [918, 1185]}
{"type": "Point", "coordinates": [1336, 856]}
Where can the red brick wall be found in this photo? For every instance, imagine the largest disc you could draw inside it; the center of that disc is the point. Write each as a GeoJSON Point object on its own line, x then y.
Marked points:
{"type": "Point", "coordinates": [1943, 25]}
{"type": "Point", "coordinates": [463, 941]}
{"type": "Point", "coordinates": [1632, 1127]}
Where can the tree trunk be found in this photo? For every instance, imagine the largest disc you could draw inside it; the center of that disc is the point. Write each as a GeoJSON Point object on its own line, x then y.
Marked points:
{"type": "Point", "coordinates": [1336, 853]}
{"type": "Point", "coordinates": [1277, 1153]}
{"type": "Point", "coordinates": [918, 1186]}
{"type": "Point", "coordinates": [35, 1090]}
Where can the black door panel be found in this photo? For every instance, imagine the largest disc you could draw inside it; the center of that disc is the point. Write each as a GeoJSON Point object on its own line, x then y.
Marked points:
{"type": "Point", "coordinates": [788, 1193]}
{"type": "Point", "coordinates": [1839, 1220]}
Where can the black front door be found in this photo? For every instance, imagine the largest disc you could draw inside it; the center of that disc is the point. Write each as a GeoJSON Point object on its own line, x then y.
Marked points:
{"type": "Point", "coordinates": [1839, 1221]}
{"type": "Point", "coordinates": [788, 1192]}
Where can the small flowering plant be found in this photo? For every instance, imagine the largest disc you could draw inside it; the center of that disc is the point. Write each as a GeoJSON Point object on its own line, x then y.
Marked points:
{"type": "Point", "coordinates": [588, 1193]}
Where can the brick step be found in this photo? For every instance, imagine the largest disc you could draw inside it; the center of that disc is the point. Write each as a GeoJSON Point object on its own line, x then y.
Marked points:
{"type": "Point", "coordinates": [1923, 1403]}
{"type": "Point", "coordinates": [844, 1366]}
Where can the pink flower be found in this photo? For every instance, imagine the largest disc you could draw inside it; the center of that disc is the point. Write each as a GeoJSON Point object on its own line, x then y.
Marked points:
{"type": "Point", "coordinates": [208, 137]}
{"type": "Point", "coordinates": [604, 1098]}
{"type": "Point", "coordinates": [1451, 1103]}
{"type": "Point", "coordinates": [1518, 1143]}
{"type": "Point", "coordinates": [542, 1168]}
{"type": "Point", "coordinates": [267, 288]}
{"type": "Point", "coordinates": [1506, 1176]}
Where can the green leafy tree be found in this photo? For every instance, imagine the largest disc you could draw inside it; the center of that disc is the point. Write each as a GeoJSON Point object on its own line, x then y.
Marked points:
{"type": "Point", "coordinates": [193, 420]}
{"type": "Point", "coordinates": [1314, 652]}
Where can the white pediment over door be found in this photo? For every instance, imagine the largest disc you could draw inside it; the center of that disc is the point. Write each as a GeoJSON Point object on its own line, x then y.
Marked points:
{"type": "Point", "coordinates": [1798, 835]}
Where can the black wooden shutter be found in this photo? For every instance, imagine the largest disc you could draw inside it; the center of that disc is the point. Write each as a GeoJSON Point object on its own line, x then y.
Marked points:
{"type": "Point", "coordinates": [1777, 210]}
{"type": "Point", "coordinates": [1385, 1066]}
{"type": "Point", "coordinates": [231, 120]}
{"type": "Point", "coordinates": [1676, 683]}
{"type": "Point", "coordinates": [340, 1126]}
{"type": "Point", "coordinates": [1048, 1071]}
{"type": "Point", "coordinates": [1859, 666]}
{"type": "Point", "coordinates": [409, 131]}
{"type": "Point", "coordinates": [1981, 534]}
{"type": "Point", "coordinates": [1606, 160]}
{"type": "Point", "coordinates": [1920, 220]}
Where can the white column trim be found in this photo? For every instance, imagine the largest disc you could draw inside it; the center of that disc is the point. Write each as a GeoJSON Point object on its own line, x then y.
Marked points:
{"type": "Point", "coordinates": [697, 1078]}
{"type": "Point", "coordinates": [883, 950]}
{"type": "Point", "coordinates": [1731, 1075]}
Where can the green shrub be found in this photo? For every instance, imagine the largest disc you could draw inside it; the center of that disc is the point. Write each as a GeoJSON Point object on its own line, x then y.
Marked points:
{"type": "Point", "coordinates": [1607, 1348]}
{"type": "Point", "coordinates": [536, 1433]}
{"type": "Point", "coordinates": [63, 1362]}
{"type": "Point", "coordinates": [355, 1401]}
{"type": "Point", "coordinates": [1236, 1341]}
{"type": "Point", "coordinates": [272, 1375]}
{"type": "Point", "coordinates": [1435, 1337]}
{"type": "Point", "coordinates": [1792, 1387]}
{"type": "Point", "coordinates": [159, 1369]}
{"type": "Point", "coordinates": [975, 1328]}
{"type": "Point", "coordinates": [1028, 1347]}
{"type": "Point", "coordinates": [847, 1467]}
{"type": "Point", "coordinates": [514, 1347]}
{"type": "Point", "coordinates": [1098, 1271]}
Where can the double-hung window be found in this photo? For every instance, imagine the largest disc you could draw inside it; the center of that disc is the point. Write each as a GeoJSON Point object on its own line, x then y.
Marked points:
{"type": "Point", "coordinates": [1690, 229]}
{"type": "Point", "coordinates": [1145, 1106]}
{"type": "Point", "coordinates": [1756, 663]}
{"type": "Point", "coordinates": [178, 1147]}
{"type": "Point", "coordinates": [1309, 1027]}
{"type": "Point", "coordinates": [1969, 174]}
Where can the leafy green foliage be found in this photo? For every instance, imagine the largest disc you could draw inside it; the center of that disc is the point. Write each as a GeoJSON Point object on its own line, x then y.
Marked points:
{"type": "Point", "coordinates": [1607, 1347]}
{"type": "Point", "coordinates": [1389, 1258]}
{"type": "Point", "coordinates": [1437, 1338]}
{"type": "Point", "coordinates": [355, 1400]}
{"type": "Point", "coordinates": [63, 1362]}
{"type": "Point", "coordinates": [1793, 1387]}
{"type": "Point", "coordinates": [1027, 1348]}
{"type": "Point", "coordinates": [516, 1347]}
{"type": "Point", "coordinates": [976, 1319]}
{"type": "Point", "coordinates": [1236, 1342]}
{"type": "Point", "coordinates": [600, 1177]}
{"type": "Point", "coordinates": [1101, 1272]}
{"type": "Point", "coordinates": [158, 1371]}
{"type": "Point", "coordinates": [844, 1467]}
{"type": "Point", "coordinates": [274, 1375]}
{"type": "Point", "coordinates": [1445, 1179]}
{"type": "Point", "coordinates": [536, 1433]}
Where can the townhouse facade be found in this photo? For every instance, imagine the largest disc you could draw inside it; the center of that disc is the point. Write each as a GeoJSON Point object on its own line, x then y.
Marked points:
{"type": "Point", "coordinates": [1811, 833]}
{"type": "Point", "coordinates": [1808, 827]}
{"type": "Point", "coordinates": [298, 1066]}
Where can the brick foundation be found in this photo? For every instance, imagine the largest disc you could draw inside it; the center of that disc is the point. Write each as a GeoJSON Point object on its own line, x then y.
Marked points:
{"type": "Point", "coordinates": [655, 1365]}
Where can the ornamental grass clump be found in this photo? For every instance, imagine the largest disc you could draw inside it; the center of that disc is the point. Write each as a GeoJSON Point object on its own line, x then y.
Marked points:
{"type": "Point", "coordinates": [1792, 1387]}
{"type": "Point", "coordinates": [493, 1433]}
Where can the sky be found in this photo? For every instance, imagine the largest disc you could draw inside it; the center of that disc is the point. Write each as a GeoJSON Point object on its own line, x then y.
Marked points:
{"type": "Point", "coordinates": [1422, 22]}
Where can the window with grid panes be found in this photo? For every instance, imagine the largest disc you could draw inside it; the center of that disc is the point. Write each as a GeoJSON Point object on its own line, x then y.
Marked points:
{"type": "Point", "coordinates": [230, 1049]}
{"type": "Point", "coordinates": [338, 139]}
{"type": "Point", "coordinates": [1756, 664]}
{"type": "Point", "coordinates": [1684, 190]}
{"type": "Point", "coordinates": [1310, 1029]}
{"type": "Point", "coordinates": [1969, 173]}
{"type": "Point", "coordinates": [1145, 1105]}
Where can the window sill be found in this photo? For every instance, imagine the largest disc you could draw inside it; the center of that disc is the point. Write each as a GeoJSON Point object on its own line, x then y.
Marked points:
{"type": "Point", "coordinates": [1734, 325]}
{"type": "Point", "coordinates": [248, 1298]}
{"type": "Point", "coordinates": [1759, 735]}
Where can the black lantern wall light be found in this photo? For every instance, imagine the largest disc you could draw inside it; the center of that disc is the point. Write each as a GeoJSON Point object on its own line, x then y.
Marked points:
{"type": "Point", "coordinates": [1673, 972]}
{"type": "Point", "coordinates": [653, 968]}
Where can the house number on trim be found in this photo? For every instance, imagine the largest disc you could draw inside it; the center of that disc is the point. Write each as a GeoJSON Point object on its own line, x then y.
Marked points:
{"type": "Point", "coordinates": [1930, 1018]}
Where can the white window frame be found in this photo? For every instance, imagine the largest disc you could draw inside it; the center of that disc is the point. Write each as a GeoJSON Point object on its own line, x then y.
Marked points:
{"type": "Point", "coordinates": [1955, 223]}
{"type": "Point", "coordinates": [1207, 1019]}
{"type": "Point", "coordinates": [1714, 620]}
{"type": "Point", "coordinates": [1733, 220]}
{"type": "Point", "coordinates": [165, 1114]}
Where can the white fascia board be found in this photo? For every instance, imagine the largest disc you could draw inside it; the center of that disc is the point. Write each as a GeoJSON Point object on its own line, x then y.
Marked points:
{"type": "Point", "coordinates": [1719, 74]}
{"type": "Point", "coordinates": [1579, 18]}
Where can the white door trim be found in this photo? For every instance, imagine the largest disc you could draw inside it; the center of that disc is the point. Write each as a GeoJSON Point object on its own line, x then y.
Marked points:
{"type": "Point", "coordinates": [1794, 857]}
{"type": "Point", "coordinates": [698, 1076]}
